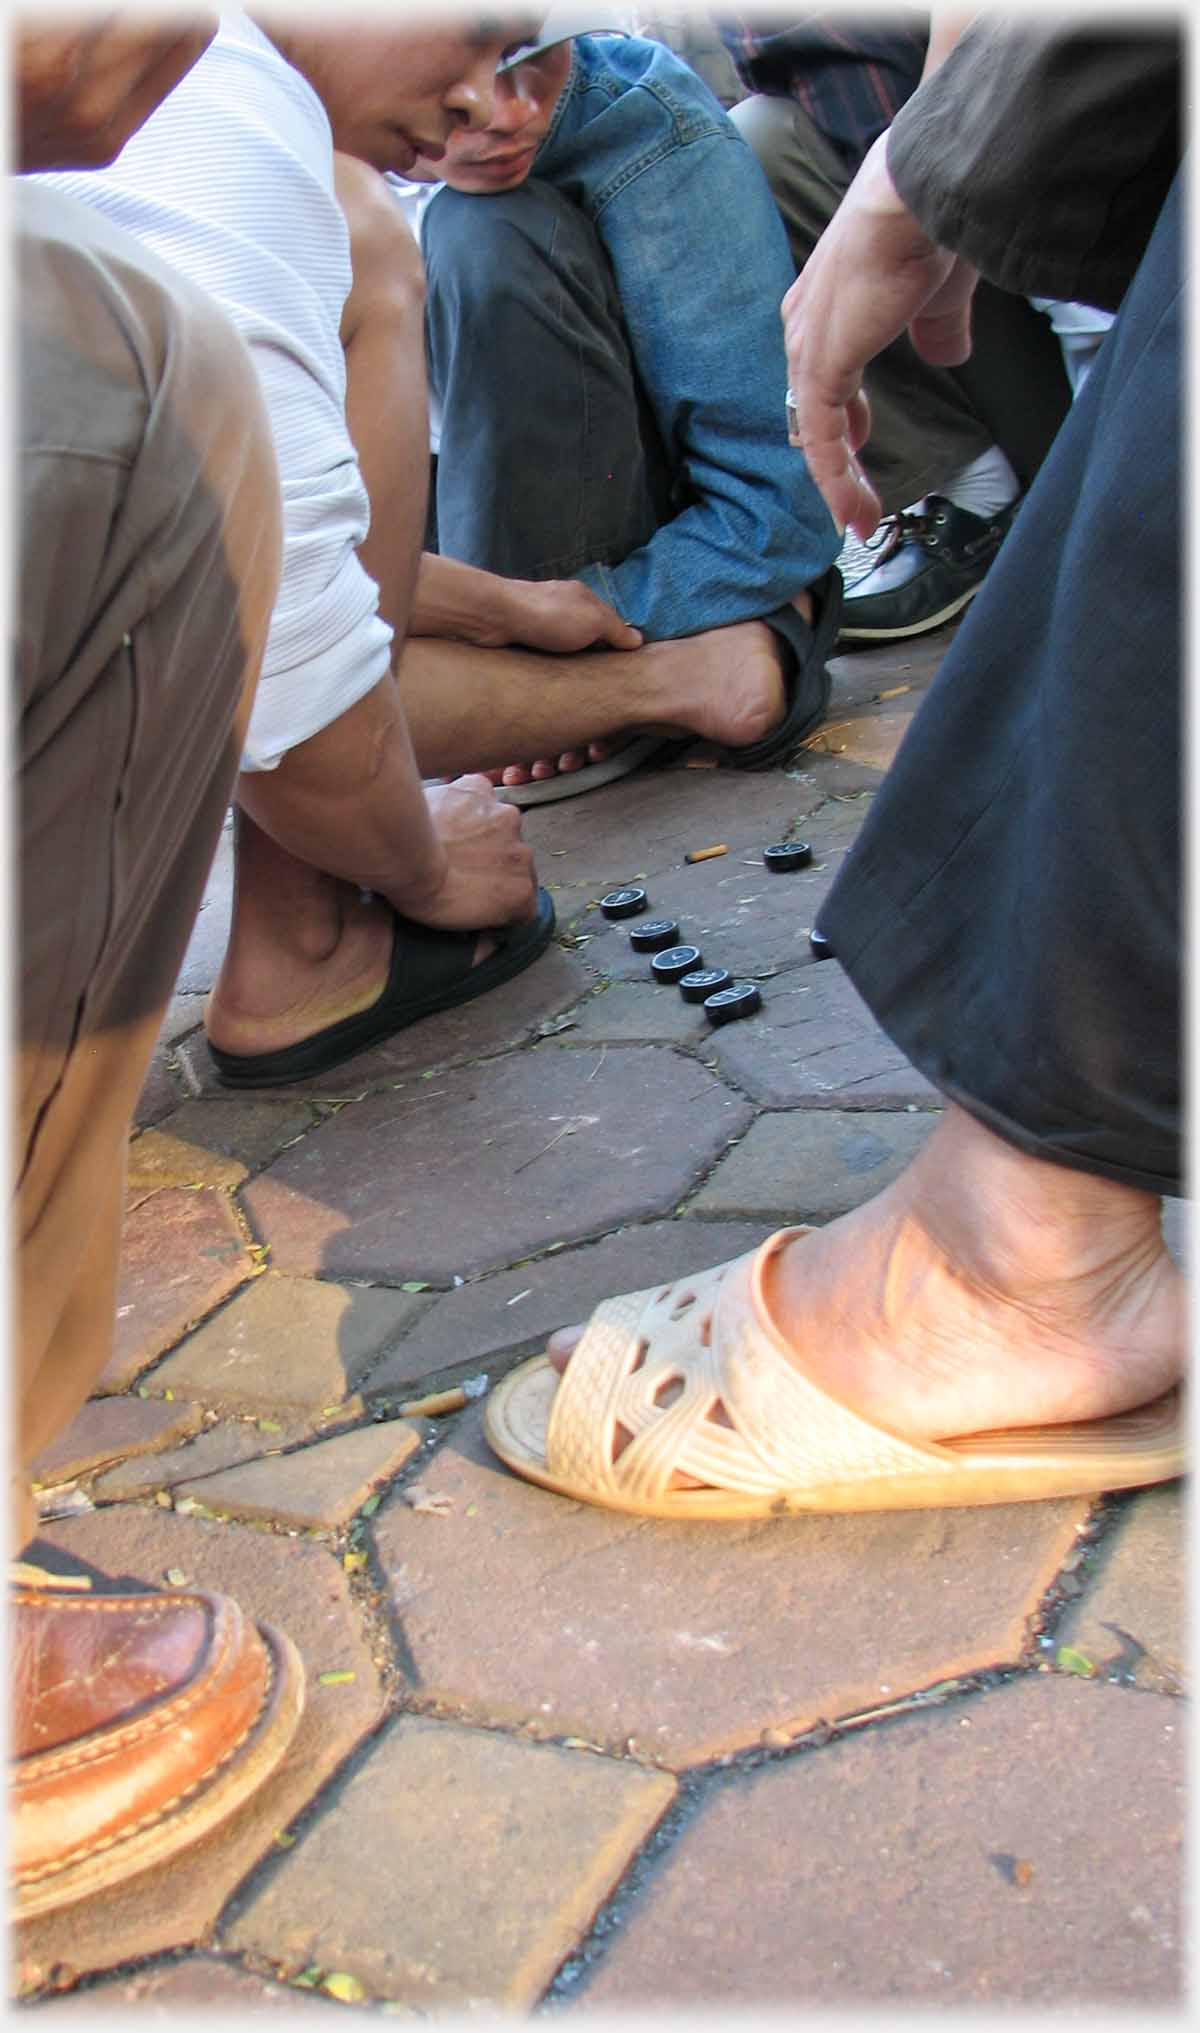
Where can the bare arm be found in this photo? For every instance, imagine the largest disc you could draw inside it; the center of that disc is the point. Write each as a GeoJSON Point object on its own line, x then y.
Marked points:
{"type": "Point", "coordinates": [457, 600]}
{"type": "Point", "coordinates": [83, 86]}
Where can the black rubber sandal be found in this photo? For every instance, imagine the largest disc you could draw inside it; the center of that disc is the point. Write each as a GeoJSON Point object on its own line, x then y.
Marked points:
{"type": "Point", "coordinates": [430, 971]}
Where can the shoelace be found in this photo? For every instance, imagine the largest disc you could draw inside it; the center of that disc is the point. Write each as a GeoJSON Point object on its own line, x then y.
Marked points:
{"type": "Point", "coordinates": [858, 558]}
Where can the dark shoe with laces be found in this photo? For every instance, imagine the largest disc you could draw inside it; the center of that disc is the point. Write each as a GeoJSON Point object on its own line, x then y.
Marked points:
{"type": "Point", "coordinates": [928, 566]}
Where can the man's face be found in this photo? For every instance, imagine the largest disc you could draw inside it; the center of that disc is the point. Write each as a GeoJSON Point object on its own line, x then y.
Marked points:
{"type": "Point", "coordinates": [395, 93]}
{"type": "Point", "coordinates": [500, 155]}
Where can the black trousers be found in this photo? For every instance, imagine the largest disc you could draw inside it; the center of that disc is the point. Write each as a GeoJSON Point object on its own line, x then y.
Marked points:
{"type": "Point", "coordinates": [1010, 911]}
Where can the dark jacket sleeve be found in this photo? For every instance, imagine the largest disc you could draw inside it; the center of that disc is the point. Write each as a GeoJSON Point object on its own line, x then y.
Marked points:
{"type": "Point", "coordinates": [1043, 155]}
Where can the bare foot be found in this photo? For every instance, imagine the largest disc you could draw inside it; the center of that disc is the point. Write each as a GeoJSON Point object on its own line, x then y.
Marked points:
{"type": "Point", "coordinates": [267, 1000]}
{"type": "Point", "coordinates": [983, 1290]}
{"type": "Point", "coordinates": [566, 764]}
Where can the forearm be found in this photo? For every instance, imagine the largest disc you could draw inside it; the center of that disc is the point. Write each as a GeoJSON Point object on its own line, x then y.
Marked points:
{"type": "Point", "coordinates": [947, 26]}
{"type": "Point", "coordinates": [458, 601]}
{"type": "Point", "coordinates": [350, 801]}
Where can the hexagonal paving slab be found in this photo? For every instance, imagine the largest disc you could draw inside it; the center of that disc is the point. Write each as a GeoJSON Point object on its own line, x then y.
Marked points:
{"type": "Point", "coordinates": [485, 1164]}
{"type": "Point", "coordinates": [694, 1639]}
{"type": "Point", "coordinates": [1022, 1848]}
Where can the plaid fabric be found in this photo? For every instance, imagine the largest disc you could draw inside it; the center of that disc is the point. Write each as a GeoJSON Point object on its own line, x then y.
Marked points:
{"type": "Point", "coordinates": [850, 75]}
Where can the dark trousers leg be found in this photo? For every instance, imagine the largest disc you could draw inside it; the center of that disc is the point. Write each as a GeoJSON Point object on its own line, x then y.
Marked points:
{"type": "Point", "coordinates": [549, 459]}
{"type": "Point", "coordinates": [149, 554]}
{"type": "Point", "coordinates": [1010, 912]}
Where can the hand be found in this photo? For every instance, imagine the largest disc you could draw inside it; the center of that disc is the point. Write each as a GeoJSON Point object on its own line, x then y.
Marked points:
{"type": "Point", "coordinates": [489, 875]}
{"type": "Point", "coordinates": [83, 85]}
{"type": "Point", "coordinates": [873, 275]}
{"type": "Point", "coordinates": [562, 615]}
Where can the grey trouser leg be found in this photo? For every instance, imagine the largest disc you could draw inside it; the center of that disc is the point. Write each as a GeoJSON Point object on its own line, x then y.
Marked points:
{"type": "Point", "coordinates": [549, 459]}
{"type": "Point", "coordinates": [148, 505]}
{"type": "Point", "coordinates": [928, 422]}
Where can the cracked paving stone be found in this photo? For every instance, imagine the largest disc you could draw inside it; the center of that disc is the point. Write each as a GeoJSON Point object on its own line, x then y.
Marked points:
{"type": "Point", "coordinates": [159, 1093]}
{"type": "Point", "coordinates": [490, 1163]}
{"type": "Point", "coordinates": [299, 1587]}
{"type": "Point", "coordinates": [967, 1856]}
{"type": "Point", "coordinates": [320, 1486]}
{"type": "Point", "coordinates": [289, 1344]}
{"type": "Point", "coordinates": [816, 1163]}
{"type": "Point", "coordinates": [181, 1254]}
{"type": "Point", "coordinates": [694, 1639]}
{"type": "Point", "coordinates": [821, 1049]}
{"type": "Point", "coordinates": [494, 1857]}
{"type": "Point", "coordinates": [110, 1429]}
{"type": "Point", "coordinates": [517, 1309]}
{"type": "Point", "coordinates": [224, 1446]}
{"type": "Point", "coordinates": [1131, 1618]}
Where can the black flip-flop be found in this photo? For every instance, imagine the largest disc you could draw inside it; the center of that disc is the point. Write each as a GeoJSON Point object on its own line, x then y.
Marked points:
{"type": "Point", "coordinates": [429, 971]}
{"type": "Point", "coordinates": [807, 680]}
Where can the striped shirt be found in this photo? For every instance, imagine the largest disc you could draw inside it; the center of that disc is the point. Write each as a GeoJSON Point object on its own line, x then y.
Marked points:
{"type": "Point", "coordinates": [850, 74]}
{"type": "Point", "coordinates": [231, 182]}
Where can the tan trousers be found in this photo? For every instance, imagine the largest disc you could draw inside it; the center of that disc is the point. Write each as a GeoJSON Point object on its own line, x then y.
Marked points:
{"type": "Point", "coordinates": [148, 560]}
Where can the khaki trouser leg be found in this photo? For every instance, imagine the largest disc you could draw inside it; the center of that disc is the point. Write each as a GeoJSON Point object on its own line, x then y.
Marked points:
{"type": "Point", "coordinates": [149, 540]}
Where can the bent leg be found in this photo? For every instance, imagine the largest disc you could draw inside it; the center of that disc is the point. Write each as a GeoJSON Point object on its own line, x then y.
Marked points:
{"type": "Point", "coordinates": [149, 534]}
{"type": "Point", "coordinates": [549, 458]}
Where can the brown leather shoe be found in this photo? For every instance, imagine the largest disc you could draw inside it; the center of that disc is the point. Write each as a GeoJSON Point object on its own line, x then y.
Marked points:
{"type": "Point", "coordinates": [139, 1722]}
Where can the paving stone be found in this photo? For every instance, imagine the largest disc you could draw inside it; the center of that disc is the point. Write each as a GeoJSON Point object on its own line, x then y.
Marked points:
{"type": "Point", "coordinates": [515, 1310]}
{"type": "Point", "coordinates": [1020, 1849]}
{"type": "Point", "coordinates": [741, 916]}
{"type": "Point", "coordinates": [491, 1858]}
{"type": "Point", "coordinates": [495, 1022]}
{"type": "Point", "coordinates": [246, 1128]}
{"type": "Point", "coordinates": [1132, 1618]}
{"type": "Point", "coordinates": [821, 1049]}
{"type": "Point", "coordinates": [182, 1253]}
{"type": "Point", "coordinates": [493, 1163]}
{"type": "Point", "coordinates": [870, 735]}
{"type": "Point", "coordinates": [289, 1344]}
{"type": "Point", "coordinates": [637, 1013]}
{"type": "Point", "coordinates": [814, 1163]}
{"type": "Point", "coordinates": [198, 1983]}
{"type": "Point", "coordinates": [109, 1429]}
{"type": "Point", "coordinates": [694, 1639]}
{"type": "Point", "coordinates": [159, 1092]}
{"type": "Point", "coordinates": [299, 1587]}
{"type": "Point", "coordinates": [184, 1013]}
{"type": "Point", "coordinates": [322, 1485]}
{"type": "Point", "coordinates": [222, 1446]}
{"type": "Point", "coordinates": [161, 1157]}
{"type": "Point", "coordinates": [643, 825]}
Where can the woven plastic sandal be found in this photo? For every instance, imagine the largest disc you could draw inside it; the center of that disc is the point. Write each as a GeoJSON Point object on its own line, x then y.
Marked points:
{"type": "Point", "coordinates": [656, 1369]}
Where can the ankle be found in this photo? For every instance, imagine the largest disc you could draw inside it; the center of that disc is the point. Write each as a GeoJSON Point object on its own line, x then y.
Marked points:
{"type": "Point", "coordinates": [1023, 1223]}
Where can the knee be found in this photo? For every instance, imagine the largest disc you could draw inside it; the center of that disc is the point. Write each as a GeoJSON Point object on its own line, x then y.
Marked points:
{"type": "Point", "coordinates": [766, 125]}
{"type": "Point", "coordinates": [389, 274]}
{"type": "Point", "coordinates": [483, 251]}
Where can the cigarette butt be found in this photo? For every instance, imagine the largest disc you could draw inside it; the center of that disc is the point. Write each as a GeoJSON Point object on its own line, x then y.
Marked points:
{"type": "Point", "coordinates": [893, 691]}
{"type": "Point", "coordinates": [701, 762]}
{"type": "Point", "coordinates": [429, 1408]}
{"type": "Point", "coordinates": [705, 853]}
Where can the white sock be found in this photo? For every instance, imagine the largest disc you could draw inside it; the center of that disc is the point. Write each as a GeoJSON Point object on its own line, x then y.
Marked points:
{"type": "Point", "coordinates": [984, 486]}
